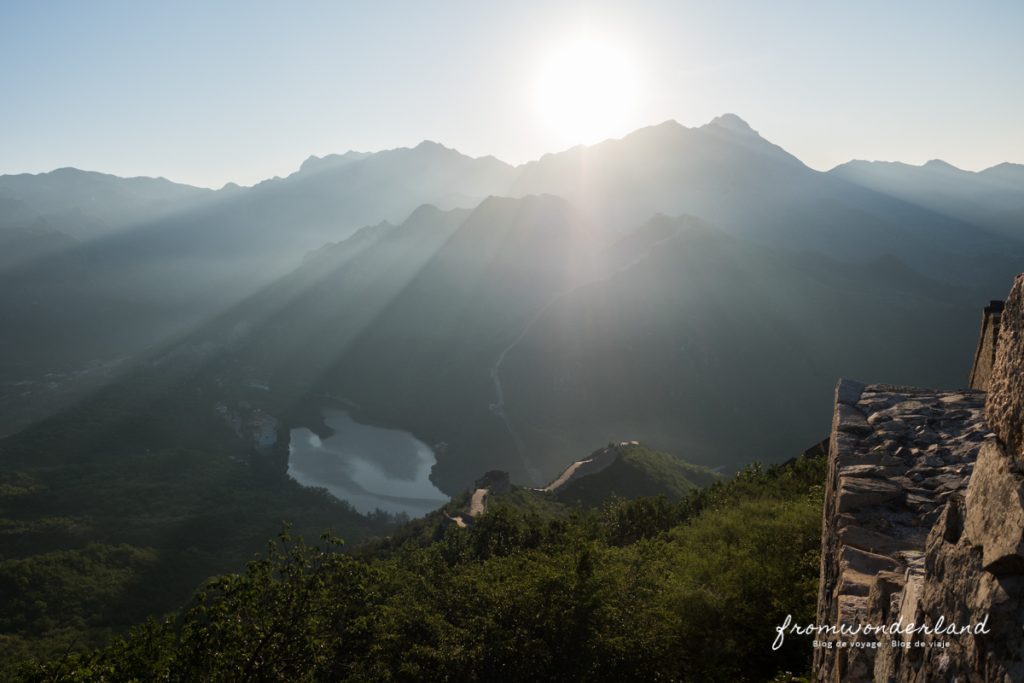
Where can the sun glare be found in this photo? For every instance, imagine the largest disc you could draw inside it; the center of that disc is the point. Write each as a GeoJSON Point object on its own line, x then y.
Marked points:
{"type": "Point", "coordinates": [586, 90]}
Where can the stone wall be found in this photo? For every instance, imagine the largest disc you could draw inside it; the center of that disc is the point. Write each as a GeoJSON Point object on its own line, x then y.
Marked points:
{"type": "Point", "coordinates": [988, 340]}
{"type": "Point", "coordinates": [897, 455]}
{"type": "Point", "coordinates": [924, 520]}
{"type": "Point", "coordinates": [1005, 405]}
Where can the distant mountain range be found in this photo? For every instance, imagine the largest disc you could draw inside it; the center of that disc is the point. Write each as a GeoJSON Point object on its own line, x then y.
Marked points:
{"type": "Point", "coordinates": [696, 290]}
{"type": "Point", "coordinates": [723, 172]}
{"type": "Point", "coordinates": [993, 198]}
{"type": "Point", "coordinates": [699, 289]}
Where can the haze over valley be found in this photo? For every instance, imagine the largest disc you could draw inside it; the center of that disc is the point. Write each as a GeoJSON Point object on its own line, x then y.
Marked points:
{"type": "Point", "coordinates": [486, 342]}
{"type": "Point", "coordinates": [698, 289]}
{"type": "Point", "coordinates": [359, 342]}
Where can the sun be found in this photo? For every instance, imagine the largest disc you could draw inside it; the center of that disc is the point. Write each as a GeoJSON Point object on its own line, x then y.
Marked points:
{"type": "Point", "coordinates": [586, 89]}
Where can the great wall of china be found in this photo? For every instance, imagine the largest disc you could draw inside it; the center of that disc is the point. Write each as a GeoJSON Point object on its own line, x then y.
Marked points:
{"type": "Point", "coordinates": [924, 521]}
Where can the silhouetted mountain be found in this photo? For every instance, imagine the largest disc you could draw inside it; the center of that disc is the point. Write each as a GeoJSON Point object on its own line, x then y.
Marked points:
{"type": "Point", "coordinates": [1010, 174]}
{"type": "Point", "coordinates": [86, 204]}
{"type": "Point", "coordinates": [696, 289]}
{"type": "Point", "coordinates": [170, 271]}
{"type": "Point", "coordinates": [423, 320]}
{"type": "Point", "coordinates": [668, 169]}
{"type": "Point", "coordinates": [727, 174]}
{"type": "Point", "coordinates": [517, 337]}
{"type": "Point", "coordinates": [294, 330]}
{"type": "Point", "coordinates": [315, 163]}
{"type": "Point", "coordinates": [405, 322]}
{"type": "Point", "coordinates": [722, 350]}
{"type": "Point", "coordinates": [993, 198]}
{"type": "Point", "coordinates": [274, 222]}
{"type": "Point", "coordinates": [329, 198]}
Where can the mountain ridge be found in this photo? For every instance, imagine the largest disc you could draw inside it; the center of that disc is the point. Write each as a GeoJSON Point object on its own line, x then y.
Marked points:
{"type": "Point", "coordinates": [727, 121]}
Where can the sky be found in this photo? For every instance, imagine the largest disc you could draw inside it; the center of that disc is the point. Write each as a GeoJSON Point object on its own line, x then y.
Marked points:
{"type": "Point", "coordinates": [212, 92]}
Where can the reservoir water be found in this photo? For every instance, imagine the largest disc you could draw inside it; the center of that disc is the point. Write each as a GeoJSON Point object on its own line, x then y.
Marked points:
{"type": "Point", "coordinates": [370, 467]}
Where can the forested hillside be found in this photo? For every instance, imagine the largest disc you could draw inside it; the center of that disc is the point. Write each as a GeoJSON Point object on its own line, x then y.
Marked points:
{"type": "Point", "coordinates": [634, 590]}
{"type": "Point", "coordinates": [116, 511]}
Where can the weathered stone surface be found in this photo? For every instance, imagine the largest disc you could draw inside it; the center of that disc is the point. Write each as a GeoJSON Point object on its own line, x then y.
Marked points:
{"type": "Point", "coordinates": [851, 420]}
{"type": "Point", "coordinates": [896, 455]}
{"type": "Point", "coordinates": [868, 539]}
{"type": "Point", "coordinates": [956, 532]}
{"type": "Point", "coordinates": [957, 588]}
{"type": "Point", "coordinates": [885, 587]}
{"type": "Point", "coordinates": [856, 493]}
{"type": "Point", "coordinates": [1005, 406]}
{"type": "Point", "coordinates": [848, 391]}
{"type": "Point", "coordinates": [865, 562]}
{"type": "Point", "coordinates": [985, 355]}
{"type": "Point", "coordinates": [995, 511]}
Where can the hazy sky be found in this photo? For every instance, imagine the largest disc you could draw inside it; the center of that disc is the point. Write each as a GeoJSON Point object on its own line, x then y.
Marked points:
{"type": "Point", "coordinates": [207, 92]}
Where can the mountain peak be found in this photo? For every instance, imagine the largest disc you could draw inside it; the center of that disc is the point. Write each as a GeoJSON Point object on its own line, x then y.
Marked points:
{"type": "Point", "coordinates": [670, 124]}
{"type": "Point", "coordinates": [431, 145]}
{"type": "Point", "coordinates": [1005, 172]}
{"type": "Point", "coordinates": [1005, 166]}
{"type": "Point", "coordinates": [315, 163]}
{"type": "Point", "coordinates": [732, 123]}
{"type": "Point", "coordinates": [940, 165]}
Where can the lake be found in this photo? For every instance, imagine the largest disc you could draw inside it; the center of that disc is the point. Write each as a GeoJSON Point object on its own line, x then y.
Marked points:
{"type": "Point", "coordinates": [370, 467]}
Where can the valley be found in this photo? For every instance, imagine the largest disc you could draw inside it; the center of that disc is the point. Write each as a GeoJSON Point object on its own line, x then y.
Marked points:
{"type": "Point", "coordinates": [371, 468]}
{"type": "Point", "coordinates": [534, 342]}
{"type": "Point", "coordinates": [350, 348]}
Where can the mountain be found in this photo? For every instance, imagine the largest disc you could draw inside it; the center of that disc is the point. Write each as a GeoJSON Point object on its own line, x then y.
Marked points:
{"type": "Point", "coordinates": [157, 260]}
{"type": "Point", "coordinates": [695, 289]}
{"type": "Point", "coordinates": [165, 258]}
{"type": "Point", "coordinates": [294, 330]}
{"type": "Point", "coordinates": [1010, 175]}
{"type": "Point", "coordinates": [29, 242]}
{"type": "Point", "coordinates": [993, 198]}
{"type": "Point", "coordinates": [326, 198]}
{"type": "Point", "coordinates": [278, 220]}
{"type": "Point", "coordinates": [668, 169]}
{"type": "Point", "coordinates": [426, 326]}
{"type": "Point", "coordinates": [533, 327]}
{"type": "Point", "coordinates": [405, 322]}
{"type": "Point", "coordinates": [628, 470]}
{"type": "Point", "coordinates": [514, 335]}
{"type": "Point", "coordinates": [87, 205]}
{"type": "Point", "coordinates": [725, 173]}
{"type": "Point", "coordinates": [717, 348]}
{"type": "Point", "coordinates": [606, 478]}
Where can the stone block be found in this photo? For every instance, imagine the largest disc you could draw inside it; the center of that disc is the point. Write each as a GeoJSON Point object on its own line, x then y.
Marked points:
{"type": "Point", "coordinates": [1005, 405]}
{"type": "Point", "coordinates": [848, 391]}
{"type": "Point", "coordinates": [995, 511]}
{"type": "Point", "coordinates": [860, 492]}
